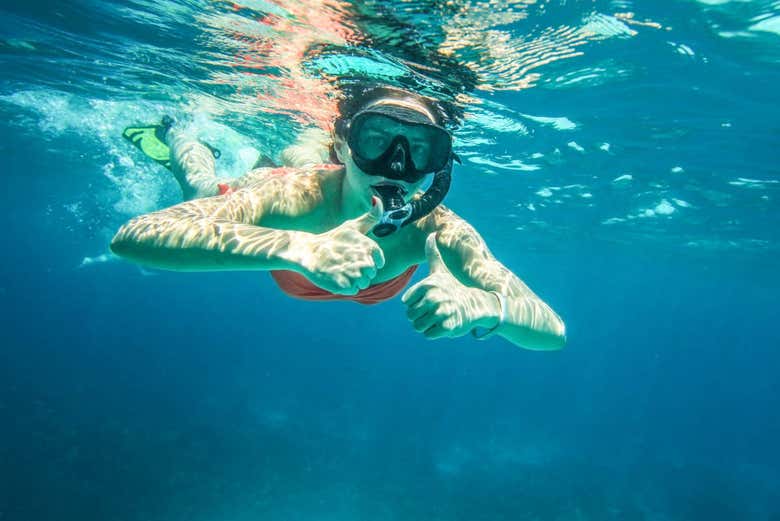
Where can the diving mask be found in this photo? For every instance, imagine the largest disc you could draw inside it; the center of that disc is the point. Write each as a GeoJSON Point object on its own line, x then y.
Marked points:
{"type": "Point", "coordinates": [398, 143]}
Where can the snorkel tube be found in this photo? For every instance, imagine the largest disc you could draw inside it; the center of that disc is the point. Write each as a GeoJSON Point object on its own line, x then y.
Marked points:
{"type": "Point", "coordinates": [398, 213]}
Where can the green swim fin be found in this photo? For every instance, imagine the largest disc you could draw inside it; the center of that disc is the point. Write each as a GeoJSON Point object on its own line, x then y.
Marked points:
{"type": "Point", "coordinates": [151, 141]}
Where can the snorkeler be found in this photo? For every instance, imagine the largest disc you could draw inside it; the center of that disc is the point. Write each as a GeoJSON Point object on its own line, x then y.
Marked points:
{"type": "Point", "coordinates": [350, 231]}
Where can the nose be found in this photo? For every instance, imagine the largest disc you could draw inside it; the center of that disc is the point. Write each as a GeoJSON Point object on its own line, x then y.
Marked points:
{"type": "Point", "coordinates": [398, 161]}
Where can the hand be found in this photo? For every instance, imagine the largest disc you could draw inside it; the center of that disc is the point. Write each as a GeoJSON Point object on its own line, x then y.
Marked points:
{"type": "Point", "coordinates": [439, 305]}
{"type": "Point", "coordinates": [344, 260]}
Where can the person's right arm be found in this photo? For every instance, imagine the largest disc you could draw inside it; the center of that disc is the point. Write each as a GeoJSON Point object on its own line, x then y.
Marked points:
{"type": "Point", "coordinates": [214, 233]}
{"type": "Point", "coordinates": [222, 233]}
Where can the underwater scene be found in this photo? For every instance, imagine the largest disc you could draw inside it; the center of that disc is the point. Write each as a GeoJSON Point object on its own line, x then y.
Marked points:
{"type": "Point", "coordinates": [619, 157]}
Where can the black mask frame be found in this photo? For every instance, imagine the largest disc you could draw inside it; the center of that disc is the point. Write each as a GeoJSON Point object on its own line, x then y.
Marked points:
{"type": "Point", "coordinates": [396, 162]}
{"type": "Point", "coordinates": [397, 213]}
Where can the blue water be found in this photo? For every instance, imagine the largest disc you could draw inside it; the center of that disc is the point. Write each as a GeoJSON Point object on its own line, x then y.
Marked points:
{"type": "Point", "coordinates": [624, 167]}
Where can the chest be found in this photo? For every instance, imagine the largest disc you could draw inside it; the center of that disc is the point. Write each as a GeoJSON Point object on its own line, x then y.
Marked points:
{"type": "Point", "coordinates": [401, 250]}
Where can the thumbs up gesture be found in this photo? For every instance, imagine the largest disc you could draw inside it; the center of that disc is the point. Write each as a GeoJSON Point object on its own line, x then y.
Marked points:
{"type": "Point", "coordinates": [440, 306]}
{"type": "Point", "coordinates": [344, 260]}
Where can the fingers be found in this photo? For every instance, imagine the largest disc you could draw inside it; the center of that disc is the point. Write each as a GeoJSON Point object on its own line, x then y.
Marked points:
{"type": "Point", "coordinates": [349, 264]}
{"type": "Point", "coordinates": [427, 310]}
{"type": "Point", "coordinates": [416, 292]}
{"type": "Point", "coordinates": [365, 279]}
{"type": "Point", "coordinates": [435, 262]}
{"type": "Point", "coordinates": [362, 273]}
{"type": "Point", "coordinates": [342, 286]}
{"type": "Point", "coordinates": [363, 283]}
{"type": "Point", "coordinates": [415, 312]}
{"type": "Point", "coordinates": [365, 269]}
{"type": "Point", "coordinates": [419, 308]}
{"type": "Point", "coordinates": [366, 222]}
{"type": "Point", "coordinates": [378, 256]}
{"type": "Point", "coordinates": [355, 279]}
{"type": "Point", "coordinates": [436, 331]}
{"type": "Point", "coordinates": [434, 324]}
{"type": "Point", "coordinates": [431, 310]}
{"type": "Point", "coordinates": [426, 321]}
{"type": "Point", "coordinates": [412, 295]}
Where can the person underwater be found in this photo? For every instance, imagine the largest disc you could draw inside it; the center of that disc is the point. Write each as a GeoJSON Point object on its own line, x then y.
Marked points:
{"type": "Point", "coordinates": [355, 230]}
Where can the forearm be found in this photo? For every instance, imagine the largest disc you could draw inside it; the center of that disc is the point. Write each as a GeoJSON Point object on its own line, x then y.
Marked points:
{"type": "Point", "coordinates": [206, 244]}
{"type": "Point", "coordinates": [525, 320]}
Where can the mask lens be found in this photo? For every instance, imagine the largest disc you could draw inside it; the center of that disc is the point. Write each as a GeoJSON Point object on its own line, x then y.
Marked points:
{"type": "Point", "coordinates": [371, 138]}
{"type": "Point", "coordinates": [371, 134]}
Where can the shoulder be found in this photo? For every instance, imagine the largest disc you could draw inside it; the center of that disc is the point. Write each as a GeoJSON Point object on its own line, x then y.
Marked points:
{"type": "Point", "coordinates": [444, 220]}
{"type": "Point", "coordinates": [452, 230]}
{"type": "Point", "coordinates": [315, 176]}
{"type": "Point", "coordinates": [293, 188]}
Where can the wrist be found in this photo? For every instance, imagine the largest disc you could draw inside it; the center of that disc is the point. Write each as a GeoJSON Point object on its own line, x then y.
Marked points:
{"type": "Point", "coordinates": [493, 306]}
{"type": "Point", "coordinates": [491, 310]}
{"type": "Point", "coordinates": [296, 254]}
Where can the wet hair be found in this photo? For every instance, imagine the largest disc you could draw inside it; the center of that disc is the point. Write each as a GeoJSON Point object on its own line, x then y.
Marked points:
{"type": "Point", "coordinates": [356, 97]}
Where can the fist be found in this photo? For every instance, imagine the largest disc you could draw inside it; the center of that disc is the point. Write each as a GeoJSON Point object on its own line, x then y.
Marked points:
{"type": "Point", "coordinates": [345, 260]}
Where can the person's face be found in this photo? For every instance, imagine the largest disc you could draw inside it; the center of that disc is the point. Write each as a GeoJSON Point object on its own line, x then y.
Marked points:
{"type": "Point", "coordinates": [359, 182]}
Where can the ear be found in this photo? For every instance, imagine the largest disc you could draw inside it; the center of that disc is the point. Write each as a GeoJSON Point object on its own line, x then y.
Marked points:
{"type": "Point", "coordinates": [341, 149]}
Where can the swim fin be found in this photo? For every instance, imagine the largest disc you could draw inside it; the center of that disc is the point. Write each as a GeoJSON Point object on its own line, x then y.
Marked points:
{"type": "Point", "coordinates": [151, 140]}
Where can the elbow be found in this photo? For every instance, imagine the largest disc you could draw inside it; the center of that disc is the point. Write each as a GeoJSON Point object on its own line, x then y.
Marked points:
{"type": "Point", "coordinates": [556, 339]}
{"type": "Point", "coordinates": [116, 245]}
{"type": "Point", "coordinates": [124, 244]}
{"type": "Point", "coordinates": [559, 341]}
{"type": "Point", "coordinates": [552, 338]}
{"type": "Point", "coordinates": [119, 243]}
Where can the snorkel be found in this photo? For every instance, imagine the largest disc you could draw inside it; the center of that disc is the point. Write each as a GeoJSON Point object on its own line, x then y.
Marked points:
{"type": "Point", "coordinates": [398, 213]}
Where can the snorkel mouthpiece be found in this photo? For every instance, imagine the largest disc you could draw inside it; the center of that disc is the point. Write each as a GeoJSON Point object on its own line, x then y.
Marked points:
{"type": "Point", "coordinates": [396, 210]}
{"type": "Point", "coordinates": [398, 213]}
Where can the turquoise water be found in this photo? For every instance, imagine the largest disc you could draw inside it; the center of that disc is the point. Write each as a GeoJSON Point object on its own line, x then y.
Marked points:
{"type": "Point", "coordinates": [620, 157]}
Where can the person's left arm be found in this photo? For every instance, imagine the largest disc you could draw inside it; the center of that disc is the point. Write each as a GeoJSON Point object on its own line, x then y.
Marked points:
{"type": "Point", "coordinates": [468, 290]}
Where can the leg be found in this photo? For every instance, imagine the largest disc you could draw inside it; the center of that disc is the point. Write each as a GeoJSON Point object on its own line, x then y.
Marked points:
{"type": "Point", "coordinates": [193, 166]}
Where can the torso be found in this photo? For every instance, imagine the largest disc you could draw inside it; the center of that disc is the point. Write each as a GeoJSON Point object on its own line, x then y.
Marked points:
{"type": "Point", "coordinates": [320, 188]}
